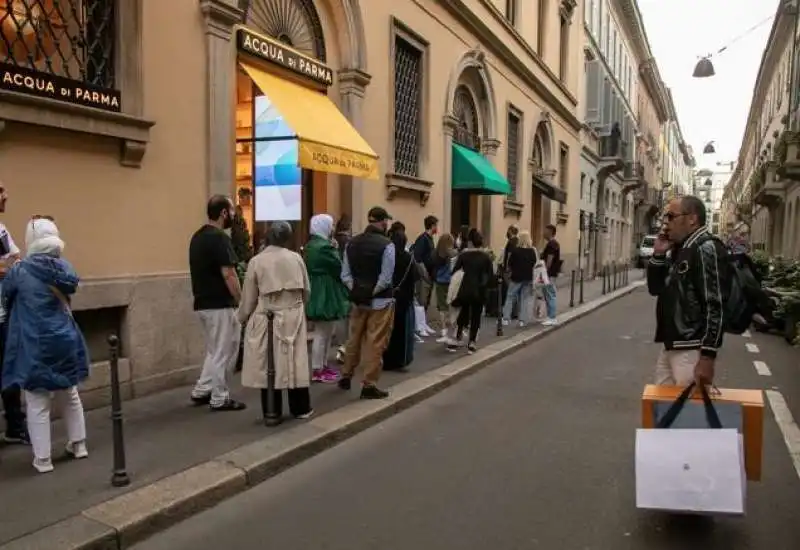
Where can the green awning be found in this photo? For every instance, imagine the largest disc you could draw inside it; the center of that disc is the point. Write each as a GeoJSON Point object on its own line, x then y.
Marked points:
{"type": "Point", "coordinates": [473, 173]}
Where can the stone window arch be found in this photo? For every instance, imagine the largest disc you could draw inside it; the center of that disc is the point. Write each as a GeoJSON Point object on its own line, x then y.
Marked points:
{"type": "Point", "coordinates": [542, 149]}
{"type": "Point", "coordinates": [295, 23]}
{"type": "Point", "coordinates": [471, 104]}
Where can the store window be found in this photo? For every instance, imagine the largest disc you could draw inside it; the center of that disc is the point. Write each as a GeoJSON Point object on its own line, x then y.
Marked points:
{"type": "Point", "coordinates": [408, 69]}
{"type": "Point", "coordinates": [74, 39]}
{"type": "Point", "coordinates": [512, 150]}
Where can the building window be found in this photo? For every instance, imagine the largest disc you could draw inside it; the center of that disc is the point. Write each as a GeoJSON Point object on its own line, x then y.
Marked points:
{"type": "Point", "coordinates": [563, 62]}
{"type": "Point", "coordinates": [583, 184]}
{"type": "Point", "coordinates": [407, 107]}
{"type": "Point", "coordinates": [74, 39]}
{"type": "Point", "coordinates": [511, 11]}
{"type": "Point", "coordinates": [512, 149]}
{"type": "Point", "coordinates": [541, 26]}
{"type": "Point", "coordinates": [465, 109]}
{"type": "Point", "coordinates": [563, 167]}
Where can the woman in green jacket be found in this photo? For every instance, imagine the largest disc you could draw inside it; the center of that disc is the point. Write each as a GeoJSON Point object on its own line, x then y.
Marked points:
{"type": "Point", "coordinates": [328, 302]}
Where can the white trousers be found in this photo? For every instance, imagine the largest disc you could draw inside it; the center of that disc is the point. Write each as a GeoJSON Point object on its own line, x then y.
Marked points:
{"type": "Point", "coordinates": [321, 343]}
{"type": "Point", "coordinates": [676, 367]}
{"type": "Point", "coordinates": [38, 405]}
{"type": "Point", "coordinates": [223, 333]}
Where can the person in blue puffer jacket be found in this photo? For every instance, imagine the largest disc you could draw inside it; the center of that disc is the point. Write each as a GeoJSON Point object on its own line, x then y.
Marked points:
{"type": "Point", "coordinates": [46, 354]}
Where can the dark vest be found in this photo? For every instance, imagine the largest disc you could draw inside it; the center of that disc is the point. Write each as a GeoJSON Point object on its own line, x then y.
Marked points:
{"type": "Point", "coordinates": [365, 256]}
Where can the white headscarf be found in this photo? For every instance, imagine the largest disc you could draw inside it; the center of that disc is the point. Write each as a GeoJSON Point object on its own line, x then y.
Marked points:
{"type": "Point", "coordinates": [42, 237]}
{"type": "Point", "coordinates": [322, 225]}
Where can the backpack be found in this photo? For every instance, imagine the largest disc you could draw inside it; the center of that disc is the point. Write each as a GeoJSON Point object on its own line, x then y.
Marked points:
{"type": "Point", "coordinates": [739, 289]}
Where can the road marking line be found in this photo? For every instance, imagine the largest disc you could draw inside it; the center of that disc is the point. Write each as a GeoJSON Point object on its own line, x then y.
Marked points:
{"type": "Point", "coordinates": [787, 425]}
{"type": "Point", "coordinates": [746, 334]}
{"type": "Point", "coordinates": [752, 348]}
{"type": "Point", "coordinates": [762, 368]}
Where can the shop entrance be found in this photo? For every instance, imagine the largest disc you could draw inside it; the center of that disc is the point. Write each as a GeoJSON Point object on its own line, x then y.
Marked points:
{"type": "Point", "coordinates": [289, 137]}
{"type": "Point", "coordinates": [257, 144]}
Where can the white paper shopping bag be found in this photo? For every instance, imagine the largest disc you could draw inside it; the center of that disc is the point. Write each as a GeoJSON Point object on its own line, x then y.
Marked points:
{"type": "Point", "coordinates": [694, 471]}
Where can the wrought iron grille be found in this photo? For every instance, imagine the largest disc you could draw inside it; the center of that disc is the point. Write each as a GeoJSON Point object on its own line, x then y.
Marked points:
{"type": "Point", "coordinates": [296, 23]}
{"type": "Point", "coordinates": [466, 112]}
{"type": "Point", "coordinates": [407, 112]}
{"type": "Point", "coordinates": [69, 38]}
{"type": "Point", "coordinates": [512, 162]}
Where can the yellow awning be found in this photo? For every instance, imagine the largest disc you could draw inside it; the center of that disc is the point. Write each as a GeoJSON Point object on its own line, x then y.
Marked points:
{"type": "Point", "coordinates": [327, 142]}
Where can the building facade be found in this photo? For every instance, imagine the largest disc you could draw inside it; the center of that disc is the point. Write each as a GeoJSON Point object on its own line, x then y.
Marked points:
{"type": "Point", "coordinates": [625, 112]}
{"type": "Point", "coordinates": [763, 194]}
{"type": "Point", "coordinates": [421, 107]}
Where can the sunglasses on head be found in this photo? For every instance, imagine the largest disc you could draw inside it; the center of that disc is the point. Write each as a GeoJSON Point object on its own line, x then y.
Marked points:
{"type": "Point", "coordinates": [42, 217]}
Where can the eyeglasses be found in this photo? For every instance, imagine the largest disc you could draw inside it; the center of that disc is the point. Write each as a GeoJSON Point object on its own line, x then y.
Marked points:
{"type": "Point", "coordinates": [671, 216]}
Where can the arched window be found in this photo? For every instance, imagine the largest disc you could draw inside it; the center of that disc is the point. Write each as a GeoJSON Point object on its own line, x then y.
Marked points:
{"type": "Point", "coordinates": [467, 133]}
{"type": "Point", "coordinates": [295, 23]}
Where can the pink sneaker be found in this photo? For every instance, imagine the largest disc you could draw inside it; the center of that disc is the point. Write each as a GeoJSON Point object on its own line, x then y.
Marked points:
{"type": "Point", "coordinates": [329, 376]}
{"type": "Point", "coordinates": [318, 375]}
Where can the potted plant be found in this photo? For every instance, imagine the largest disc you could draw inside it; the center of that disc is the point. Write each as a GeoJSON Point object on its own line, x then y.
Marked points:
{"type": "Point", "coordinates": [243, 248]}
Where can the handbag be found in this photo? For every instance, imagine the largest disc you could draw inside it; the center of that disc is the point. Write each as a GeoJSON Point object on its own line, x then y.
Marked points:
{"type": "Point", "coordinates": [61, 298]}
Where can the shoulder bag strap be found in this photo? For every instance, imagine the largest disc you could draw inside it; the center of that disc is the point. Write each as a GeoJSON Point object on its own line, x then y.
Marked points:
{"type": "Point", "coordinates": [61, 298]}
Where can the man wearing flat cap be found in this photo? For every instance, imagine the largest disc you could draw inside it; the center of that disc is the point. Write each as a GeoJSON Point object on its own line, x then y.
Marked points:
{"type": "Point", "coordinates": [367, 271]}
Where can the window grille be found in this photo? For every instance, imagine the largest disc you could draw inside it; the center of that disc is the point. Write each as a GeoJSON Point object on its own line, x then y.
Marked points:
{"type": "Point", "coordinates": [466, 133]}
{"type": "Point", "coordinates": [512, 163]}
{"type": "Point", "coordinates": [407, 107]}
{"type": "Point", "coordinates": [74, 39]}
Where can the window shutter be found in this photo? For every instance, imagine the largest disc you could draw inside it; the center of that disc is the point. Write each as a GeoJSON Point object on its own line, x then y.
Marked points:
{"type": "Point", "coordinates": [594, 92]}
{"type": "Point", "coordinates": [608, 107]}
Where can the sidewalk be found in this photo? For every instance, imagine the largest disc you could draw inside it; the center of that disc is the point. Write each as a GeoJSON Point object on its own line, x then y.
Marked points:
{"type": "Point", "coordinates": [166, 435]}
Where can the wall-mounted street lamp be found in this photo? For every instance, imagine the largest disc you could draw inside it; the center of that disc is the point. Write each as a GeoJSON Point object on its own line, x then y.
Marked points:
{"type": "Point", "coordinates": [709, 148]}
{"type": "Point", "coordinates": [704, 68]}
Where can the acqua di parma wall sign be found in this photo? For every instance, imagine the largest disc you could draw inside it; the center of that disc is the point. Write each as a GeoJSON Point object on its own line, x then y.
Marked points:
{"type": "Point", "coordinates": [27, 81]}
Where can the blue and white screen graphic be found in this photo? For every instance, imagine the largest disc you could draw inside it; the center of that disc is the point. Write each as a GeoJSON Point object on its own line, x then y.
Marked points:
{"type": "Point", "coordinates": [277, 175]}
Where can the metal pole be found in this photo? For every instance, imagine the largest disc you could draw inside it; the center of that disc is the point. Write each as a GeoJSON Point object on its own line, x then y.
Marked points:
{"type": "Point", "coordinates": [271, 418]}
{"type": "Point", "coordinates": [580, 289]}
{"type": "Point", "coordinates": [499, 300]}
{"type": "Point", "coordinates": [120, 477]}
{"type": "Point", "coordinates": [572, 289]}
{"type": "Point", "coordinates": [614, 270]}
{"type": "Point", "coordinates": [603, 276]}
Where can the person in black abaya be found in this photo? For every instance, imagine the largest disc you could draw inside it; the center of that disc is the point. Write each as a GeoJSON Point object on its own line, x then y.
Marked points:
{"type": "Point", "coordinates": [400, 351]}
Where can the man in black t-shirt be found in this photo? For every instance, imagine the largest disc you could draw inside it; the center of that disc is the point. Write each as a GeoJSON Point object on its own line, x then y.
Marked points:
{"type": "Point", "coordinates": [216, 291]}
{"type": "Point", "coordinates": [552, 259]}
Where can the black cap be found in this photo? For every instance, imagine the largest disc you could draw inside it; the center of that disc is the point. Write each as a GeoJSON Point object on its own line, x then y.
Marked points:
{"type": "Point", "coordinates": [378, 214]}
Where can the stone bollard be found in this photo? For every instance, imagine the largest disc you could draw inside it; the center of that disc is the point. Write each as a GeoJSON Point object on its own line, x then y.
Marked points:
{"type": "Point", "coordinates": [120, 477]}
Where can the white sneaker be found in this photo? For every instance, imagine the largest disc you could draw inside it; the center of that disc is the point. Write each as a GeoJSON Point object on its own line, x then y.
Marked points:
{"type": "Point", "coordinates": [522, 324]}
{"type": "Point", "coordinates": [549, 322]}
{"type": "Point", "coordinates": [77, 449]}
{"type": "Point", "coordinates": [506, 322]}
{"type": "Point", "coordinates": [43, 465]}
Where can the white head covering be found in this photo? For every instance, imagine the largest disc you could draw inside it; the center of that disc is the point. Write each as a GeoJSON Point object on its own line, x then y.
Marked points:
{"type": "Point", "coordinates": [322, 225]}
{"type": "Point", "coordinates": [42, 237]}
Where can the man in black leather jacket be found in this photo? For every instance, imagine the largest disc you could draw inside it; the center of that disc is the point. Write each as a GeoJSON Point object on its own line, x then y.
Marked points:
{"type": "Point", "coordinates": [688, 274]}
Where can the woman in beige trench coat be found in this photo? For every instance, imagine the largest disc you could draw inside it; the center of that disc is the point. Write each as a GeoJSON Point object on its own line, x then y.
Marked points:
{"type": "Point", "coordinates": [277, 281]}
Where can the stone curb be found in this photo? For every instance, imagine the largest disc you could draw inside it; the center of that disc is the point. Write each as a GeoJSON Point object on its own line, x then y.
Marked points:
{"type": "Point", "coordinates": [124, 520]}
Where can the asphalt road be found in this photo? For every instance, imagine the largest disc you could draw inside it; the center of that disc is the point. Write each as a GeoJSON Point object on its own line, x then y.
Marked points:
{"type": "Point", "coordinates": [533, 452]}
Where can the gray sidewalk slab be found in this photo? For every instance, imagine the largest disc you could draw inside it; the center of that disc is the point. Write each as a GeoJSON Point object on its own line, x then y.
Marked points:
{"type": "Point", "coordinates": [165, 435]}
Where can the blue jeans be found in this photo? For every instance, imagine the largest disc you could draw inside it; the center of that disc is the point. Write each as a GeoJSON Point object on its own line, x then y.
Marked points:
{"type": "Point", "coordinates": [550, 300]}
{"type": "Point", "coordinates": [519, 293]}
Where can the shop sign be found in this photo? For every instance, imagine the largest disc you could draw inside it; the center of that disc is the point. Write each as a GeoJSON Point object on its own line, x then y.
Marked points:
{"type": "Point", "coordinates": [280, 54]}
{"type": "Point", "coordinates": [27, 81]}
